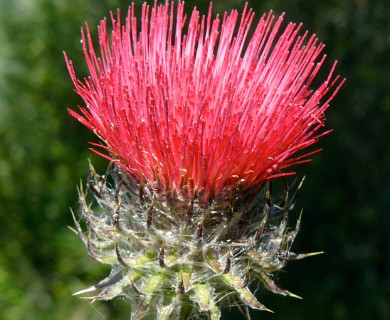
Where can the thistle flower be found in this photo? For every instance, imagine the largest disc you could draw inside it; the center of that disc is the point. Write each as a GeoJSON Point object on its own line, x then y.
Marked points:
{"type": "Point", "coordinates": [197, 119]}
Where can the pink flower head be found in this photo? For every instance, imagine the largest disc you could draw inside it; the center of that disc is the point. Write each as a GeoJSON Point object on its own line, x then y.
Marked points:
{"type": "Point", "coordinates": [203, 107]}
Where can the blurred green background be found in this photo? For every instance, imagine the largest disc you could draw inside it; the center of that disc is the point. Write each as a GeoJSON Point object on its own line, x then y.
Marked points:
{"type": "Point", "coordinates": [43, 155]}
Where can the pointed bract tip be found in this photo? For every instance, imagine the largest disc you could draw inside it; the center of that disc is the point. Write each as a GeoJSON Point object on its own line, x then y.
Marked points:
{"type": "Point", "coordinates": [90, 289]}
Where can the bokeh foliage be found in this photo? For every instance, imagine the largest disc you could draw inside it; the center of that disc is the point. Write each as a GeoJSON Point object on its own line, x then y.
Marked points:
{"type": "Point", "coordinates": [43, 155]}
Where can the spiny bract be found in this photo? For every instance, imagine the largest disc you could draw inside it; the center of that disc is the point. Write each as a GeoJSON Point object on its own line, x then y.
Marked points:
{"type": "Point", "coordinates": [173, 257]}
